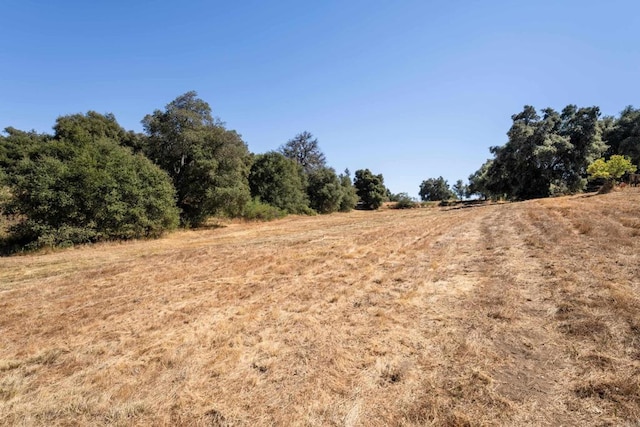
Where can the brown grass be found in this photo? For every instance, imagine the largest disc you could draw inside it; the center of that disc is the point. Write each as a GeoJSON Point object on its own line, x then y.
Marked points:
{"type": "Point", "coordinates": [511, 314]}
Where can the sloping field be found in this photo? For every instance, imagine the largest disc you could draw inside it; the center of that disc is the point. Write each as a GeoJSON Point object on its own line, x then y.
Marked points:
{"type": "Point", "coordinates": [512, 314]}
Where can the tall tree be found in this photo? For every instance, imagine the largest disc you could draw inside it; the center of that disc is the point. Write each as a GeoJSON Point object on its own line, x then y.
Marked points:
{"type": "Point", "coordinates": [208, 164]}
{"type": "Point", "coordinates": [304, 150]}
{"type": "Point", "coordinates": [582, 129]}
{"type": "Point", "coordinates": [370, 188]}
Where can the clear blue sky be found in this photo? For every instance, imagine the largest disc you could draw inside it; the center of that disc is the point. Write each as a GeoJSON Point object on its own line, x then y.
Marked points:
{"type": "Point", "coordinates": [409, 89]}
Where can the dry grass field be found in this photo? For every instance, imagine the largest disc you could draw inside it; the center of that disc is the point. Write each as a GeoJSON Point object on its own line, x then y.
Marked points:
{"type": "Point", "coordinates": [509, 314]}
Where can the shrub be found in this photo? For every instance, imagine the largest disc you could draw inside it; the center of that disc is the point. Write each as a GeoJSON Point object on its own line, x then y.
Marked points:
{"type": "Point", "coordinates": [258, 211]}
{"type": "Point", "coordinates": [70, 193]}
{"type": "Point", "coordinates": [403, 201]}
{"type": "Point", "coordinates": [610, 170]}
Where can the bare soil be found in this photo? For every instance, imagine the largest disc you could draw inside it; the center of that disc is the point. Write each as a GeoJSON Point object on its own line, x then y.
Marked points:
{"type": "Point", "coordinates": [506, 314]}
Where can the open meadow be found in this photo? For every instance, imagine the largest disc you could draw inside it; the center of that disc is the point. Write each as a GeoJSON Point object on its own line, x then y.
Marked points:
{"type": "Point", "coordinates": [505, 314]}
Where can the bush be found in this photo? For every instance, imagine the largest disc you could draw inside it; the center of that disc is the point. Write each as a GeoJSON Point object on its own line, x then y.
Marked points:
{"type": "Point", "coordinates": [611, 170]}
{"type": "Point", "coordinates": [257, 211]}
{"type": "Point", "coordinates": [403, 201]}
{"type": "Point", "coordinates": [69, 193]}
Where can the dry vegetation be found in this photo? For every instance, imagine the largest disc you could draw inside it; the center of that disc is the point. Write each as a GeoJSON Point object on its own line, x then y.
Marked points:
{"type": "Point", "coordinates": [513, 314]}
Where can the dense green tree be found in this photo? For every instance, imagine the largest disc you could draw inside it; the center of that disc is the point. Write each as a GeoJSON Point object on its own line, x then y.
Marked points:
{"type": "Point", "coordinates": [434, 189]}
{"type": "Point", "coordinates": [280, 182]}
{"type": "Point", "coordinates": [83, 128]}
{"type": "Point", "coordinates": [581, 127]}
{"type": "Point", "coordinates": [623, 134]}
{"type": "Point", "coordinates": [208, 164]}
{"type": "Point", "coordinates": [478, 181]}
{"type": "Point", "coordinates": [304, 150]}
{"type": "Point", "coordinates": [18, 145]}
{"type": "Point", "coordinates": [349, 195]}
{"type": "Point", "coordinates": [324, 190]}
{"type": "Point", "coordinates": [4, 190]}
{"type": "Point", "coordinates": [69, 192]}
{"type": "Point", "coordinates": [370, 188]}
{"type": "Point", "coordinates": [545, 155]}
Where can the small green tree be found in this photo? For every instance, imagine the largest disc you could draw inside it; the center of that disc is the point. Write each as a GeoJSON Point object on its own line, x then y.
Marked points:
{"type": "Point", "coordinates": [434, 189]}
{"type": "Point", "coordinates": [324, 190]}
{"type": "Point", "coordinates": [349, 196]}
{"type": "Point", "coordinates": [460, 189]}
{"type": "Point", "coordinates": [280, 182]}
{"type": "Point", "coordinates": [370, 188]}
{"type": "Point", "coordinates": [610, 170]}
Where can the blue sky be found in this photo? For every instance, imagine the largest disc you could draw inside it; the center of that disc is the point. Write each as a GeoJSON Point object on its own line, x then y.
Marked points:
{"type": "Point", "coordinates": [409, 89]}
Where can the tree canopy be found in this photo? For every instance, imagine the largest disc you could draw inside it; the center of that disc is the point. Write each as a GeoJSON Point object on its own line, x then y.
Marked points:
{"type": "Point", "coordinates": [93, 180]}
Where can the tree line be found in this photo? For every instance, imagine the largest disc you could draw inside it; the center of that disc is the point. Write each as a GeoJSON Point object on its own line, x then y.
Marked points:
{"type": "Point", "coordinates": [551, 153]}
{"type": "Point", "coordinates": [92, 180]}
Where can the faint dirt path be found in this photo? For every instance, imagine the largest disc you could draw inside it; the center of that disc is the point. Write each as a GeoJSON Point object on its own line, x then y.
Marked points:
{"type": "Point", "coordinates": [544, 310]}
